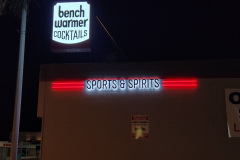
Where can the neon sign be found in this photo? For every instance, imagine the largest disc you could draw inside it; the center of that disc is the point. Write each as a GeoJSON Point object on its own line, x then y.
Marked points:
{"type": "Point", "coordinates": [68, 85]}
{"type": "Point", "coordinates": [125, 84]}
{"type": "Point", "coordinates": [180, 83]}
{"type": "Point", "coordinates": [71, 22]}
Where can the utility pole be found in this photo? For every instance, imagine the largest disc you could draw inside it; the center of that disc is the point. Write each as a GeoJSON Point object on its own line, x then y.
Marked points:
{"type": "Point", "coordinates": [18, 95]}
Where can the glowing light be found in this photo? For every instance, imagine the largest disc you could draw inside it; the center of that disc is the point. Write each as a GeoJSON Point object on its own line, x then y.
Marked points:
{"type": "Point", "coordinates": [180, 83]}
{"type": "Point", "coordinates": [71, 22]}
{"type": "Point", "coordinates": [68, 85]}
{"type": "Point", "coordinates": [125, 84]}
{"type": "Point", "coordinates": [111, 84]}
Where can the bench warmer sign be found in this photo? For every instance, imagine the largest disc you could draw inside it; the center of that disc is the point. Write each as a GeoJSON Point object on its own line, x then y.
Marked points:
{"type": "Point", "coordinates": [71, 27]}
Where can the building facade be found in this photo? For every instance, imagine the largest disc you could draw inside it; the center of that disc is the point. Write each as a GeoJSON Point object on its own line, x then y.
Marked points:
{"type": "Point", "coordinates": [162, 110]}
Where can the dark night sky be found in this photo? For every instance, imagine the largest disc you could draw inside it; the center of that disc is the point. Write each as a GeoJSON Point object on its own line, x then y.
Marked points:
{"type": "Point", "coordinates": [152, 30]}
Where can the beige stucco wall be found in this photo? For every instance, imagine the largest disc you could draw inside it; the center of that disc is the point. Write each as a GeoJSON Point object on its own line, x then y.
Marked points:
{"type": "Point", "coordinates": [183, 125]}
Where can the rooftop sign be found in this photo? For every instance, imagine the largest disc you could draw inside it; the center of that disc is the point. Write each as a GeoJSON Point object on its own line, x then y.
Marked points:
{"type": "Point", "coordinates": [71, 26]}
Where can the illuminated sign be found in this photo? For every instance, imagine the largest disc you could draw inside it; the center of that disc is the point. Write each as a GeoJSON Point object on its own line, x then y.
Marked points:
{"type": "Point", "coordinates": [71, 27]}
{"type": "Point", "coordinates": [71, 22]}
{"type": "Point", "coordinates": [179, 83]}
{"type": "Point", "coordinates": [125, 84]}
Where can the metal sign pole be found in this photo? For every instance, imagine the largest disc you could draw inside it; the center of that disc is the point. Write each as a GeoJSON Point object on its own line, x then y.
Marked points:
{"type": "Point", "coordinates": [18, 96]}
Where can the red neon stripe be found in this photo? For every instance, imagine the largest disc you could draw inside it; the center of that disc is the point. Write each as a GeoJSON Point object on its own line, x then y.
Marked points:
{"type": "Point", "coordinates": [58, 87]}
{"type": "Point", "coordinates": [63, 83]}
{"type": "Point", "coordinates": [68, 85]}
{"type": "Point", "coordinates": [67, 89]}
{"type": "Point", "coordinates": [180, 80]}
{"type": "Point", "coordinates": [180, 83]}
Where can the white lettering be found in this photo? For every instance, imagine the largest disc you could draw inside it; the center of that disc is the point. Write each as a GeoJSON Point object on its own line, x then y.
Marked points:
{"type": "Point", "coordinates": [130, 84]}
{"type": "Point", "coordinates": [71, 22]}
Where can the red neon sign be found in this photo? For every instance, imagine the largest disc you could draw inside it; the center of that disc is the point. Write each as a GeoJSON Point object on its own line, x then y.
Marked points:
{"type": "Point", "coordinates": [179, 83]}
{"type": "Point", "coordinates": [68, 85]}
